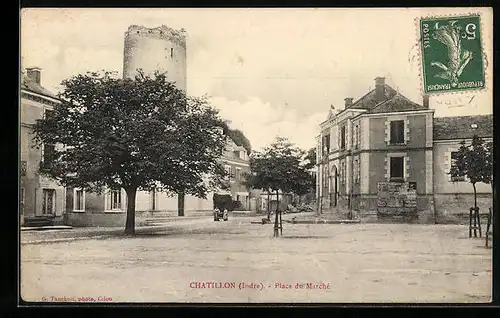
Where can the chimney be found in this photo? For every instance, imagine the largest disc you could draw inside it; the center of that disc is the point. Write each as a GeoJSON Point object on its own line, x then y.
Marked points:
{"type": "Point", "coordinates": [380, 89]}
{"type": "Point", "coordinates": [34, 73]}
{"type": "Point", "coordinates": [425, 101]}
{"type": "Point", "coordinates": [348, 102]}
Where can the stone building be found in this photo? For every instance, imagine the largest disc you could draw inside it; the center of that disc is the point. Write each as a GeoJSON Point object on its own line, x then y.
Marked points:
{"type": "Point", "coordinates": [382, 140]}
{"type": "Point", "coordinates": [41, 198]}
{"type": "Point", "coordinates": [153, 49]}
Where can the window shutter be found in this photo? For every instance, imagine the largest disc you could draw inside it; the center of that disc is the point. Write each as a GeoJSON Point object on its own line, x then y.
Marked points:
{"type": "Point", "coordinates": [387, 132]}
{"type": "Point", "coordinates": [407, 130]}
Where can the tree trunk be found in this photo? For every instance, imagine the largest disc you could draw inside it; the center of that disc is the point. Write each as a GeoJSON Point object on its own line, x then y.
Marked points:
{"type": "Point", "coordinates": [475, 195]}
{"type": "Point", "coordinates": [180, 204]}
{"type": "Point", "coordinates": [268, 206]}
{"type": "Point", "coordinates": [276, 227]}
{"type": "Point", "coordinates": [281, 224]}
{"type": "Point", "coordinates": [130, 221]}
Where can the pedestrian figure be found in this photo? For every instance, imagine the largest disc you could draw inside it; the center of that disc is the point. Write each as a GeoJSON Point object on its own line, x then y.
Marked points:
{"type": "Point", "coordinates": [216, 214]}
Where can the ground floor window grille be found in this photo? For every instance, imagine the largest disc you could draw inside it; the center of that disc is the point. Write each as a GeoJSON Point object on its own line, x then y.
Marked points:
{"type": "Point", "coordinates": [79, 204]}
{"type": "Point", "coordinates": [114, 200]}
{"type": "Point", "coordinates": [48, 204]}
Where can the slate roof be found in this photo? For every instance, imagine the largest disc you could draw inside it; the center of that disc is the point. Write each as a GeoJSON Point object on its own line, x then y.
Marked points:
{"type": "Point", "coordinates": [394, 102]}
{"type": "Point", "coordinates": [368, 101]}
{"type": "Point", "coordinates": [459, 127]}
{"type": "Point", "coordinates": [30, 85]}
{"type": "Point", "coordinates": [398, 103]}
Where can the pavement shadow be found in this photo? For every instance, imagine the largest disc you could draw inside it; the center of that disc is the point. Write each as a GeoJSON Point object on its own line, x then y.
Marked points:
{"type": "Point", "coordinates": [305, 237]}
{"type": "Point", "coordinates": [178, 232]}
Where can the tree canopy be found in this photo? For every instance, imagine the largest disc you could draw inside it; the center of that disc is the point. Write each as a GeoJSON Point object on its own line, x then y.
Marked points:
{"type": "Point", "coordinates": [475, 162]}
{"type": "Point", "coordinates": [238, 137]}
{"type": "Point", "coordinates": [310, 158]}
{"type": "Point", "coordinates": [278, 168]}
{"type": "Point", "coordinates": [138, 134]}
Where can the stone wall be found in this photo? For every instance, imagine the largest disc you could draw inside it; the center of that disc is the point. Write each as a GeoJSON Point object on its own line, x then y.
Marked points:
{"type": "Point", "coordinates": [454, 208]}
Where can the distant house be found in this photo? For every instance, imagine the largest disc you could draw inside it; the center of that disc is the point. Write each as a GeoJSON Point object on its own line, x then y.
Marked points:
{"type": "Point", "coordinates": [385, 138]}
{"type": "Point", "coordinates": [40, 197]}
{"type": "Point", "coordinates": [237, 164]}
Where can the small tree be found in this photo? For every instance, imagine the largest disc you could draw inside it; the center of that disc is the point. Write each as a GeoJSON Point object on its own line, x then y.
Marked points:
{"type": "Point", "coordinates": [139, 134]}
{"type": "Point", "coordinates": [278, 167]}
{"type": "Point", "coordinates": [475, 162]}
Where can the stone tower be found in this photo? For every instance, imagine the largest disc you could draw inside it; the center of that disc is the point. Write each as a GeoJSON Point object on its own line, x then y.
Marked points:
{"type": "Point", "coordinates": [156, 49]}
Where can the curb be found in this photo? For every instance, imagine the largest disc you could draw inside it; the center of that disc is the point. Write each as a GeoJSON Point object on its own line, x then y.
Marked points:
{"type": "Point", "coordinates": [46, 228]}
{"type": "Point", "coordinates": [92, 237]}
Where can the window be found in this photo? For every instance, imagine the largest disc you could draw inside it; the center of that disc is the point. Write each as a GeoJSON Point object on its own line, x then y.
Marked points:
{"type": "Point", "coordinates": [238, 174]}
{"type": "Point", "coordinates": [228, 172]}
{"type": "Point", "coordinates": [356, 171]}
{"type": "Point", "coordinates": [79, 200]}
{"type": "Point", "coordinates": [355, 137]}
{"type": "Point", "coordinates": [326, 144]}
{"type": "Point", "coordinates": [397, 132]}
{"type": "Point", "coordinates": [48, 203]}
{"type": "Point", "coordinates": [342, 172]}
{"type": "Point", "coordinates": [114, 200]}
{"type": "Point", "coordinates": [325, 179]}
{"type": "Point", "coordinates": [397, 168]}
{"type": "Point", "coordinates": [342, 137]}
{"type": "Point", "coordinates": [453, 164]}
{"type": "Point", "coordinates": [48, 152]}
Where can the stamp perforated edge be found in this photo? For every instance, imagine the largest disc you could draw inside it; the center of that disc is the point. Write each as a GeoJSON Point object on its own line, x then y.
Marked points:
{"type": "Point", "coordinates": [419, 54]}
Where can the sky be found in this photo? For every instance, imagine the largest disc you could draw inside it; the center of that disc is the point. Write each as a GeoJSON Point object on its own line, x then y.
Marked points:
{"type": "Point", "coordinates": [270, 72]}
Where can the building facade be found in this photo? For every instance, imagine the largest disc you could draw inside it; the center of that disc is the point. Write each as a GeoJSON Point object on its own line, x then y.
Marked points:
{"type": "Point", "coordinates": [40, 197]}
{"type": "Point", "coordinates": [237, 165]}
{"type": "Point", "coordinates": [381, 140]}
{"type": "Point", "coordinates": [454, 196]}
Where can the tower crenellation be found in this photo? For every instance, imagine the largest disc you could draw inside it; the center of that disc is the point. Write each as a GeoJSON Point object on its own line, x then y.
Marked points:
{"type": "Point", "coordinates": [162, 32]}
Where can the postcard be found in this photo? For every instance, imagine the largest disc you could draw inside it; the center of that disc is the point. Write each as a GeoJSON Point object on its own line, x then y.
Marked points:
{"type": "Point", "coordinates": [237, 155]}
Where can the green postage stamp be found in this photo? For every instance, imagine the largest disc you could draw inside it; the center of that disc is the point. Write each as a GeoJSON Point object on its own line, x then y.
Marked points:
{"type": "Point", "coordinates": [452, 54]}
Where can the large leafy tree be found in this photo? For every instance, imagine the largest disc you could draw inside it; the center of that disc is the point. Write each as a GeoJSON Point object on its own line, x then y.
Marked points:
{"type": "Point", "coordinates": [475, 162]}
{"type": "Point", "coordinates": [139, 134]}
{"type": "Point", "coordinates": [279, 168]}
{"type": "Point", "coordinates": [238, 137]}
